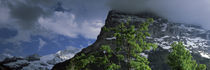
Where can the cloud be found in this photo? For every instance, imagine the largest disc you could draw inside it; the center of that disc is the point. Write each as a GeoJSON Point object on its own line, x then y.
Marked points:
{"type": "Point", "coordinates": [91, 29]}
{"type": "Point", "coordinates": [130, 6]}
{"type": "Point", "coordinates": [61, 23]}
{"type": "Point", "coordinates": [180, 11]}
{"type": "Point", "coordinates": [64, 23]}
{"type": "Point", "coordinates": [87, 9]}
{"type": "Point", "coordinates": [30, 20]}
{"type": "Point", "coordinates": [22, 15]}
{"type": "Point", "coordinates": [4, 12]}
{"type": "Point", "coordinates": [25, 15]}
{"type": "Point", "coordinates": [41, 44]}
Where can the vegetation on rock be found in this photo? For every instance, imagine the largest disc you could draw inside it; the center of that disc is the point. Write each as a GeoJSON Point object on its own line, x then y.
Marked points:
{"type": "Point", "coordinates": [102, 61]}
{"type": "Point", "coordinates": [181, 59]}
{"type": "Point", "coordinates": [130, 42]}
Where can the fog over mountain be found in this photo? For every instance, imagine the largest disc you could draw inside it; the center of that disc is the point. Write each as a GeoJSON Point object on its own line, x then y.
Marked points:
{"type": "Point", "coordinates": [182, 11]}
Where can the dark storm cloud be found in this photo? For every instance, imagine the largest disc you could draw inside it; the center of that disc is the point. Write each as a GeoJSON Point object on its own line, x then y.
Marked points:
{"type": "Point", "coordinates": [181, 11]}
{"type": "Point", "coordinates": [47, 19]}
{"type": "Point", "coordinates": [87, 9]}
{"type": "Point", "coordinates": [40, 17]}
{"type": "Point", "coordinates": [28, 12]}
{"type": "Point", "coordinates": [23, 15]}
{"type": "Point", "coordinates": [26, 15]}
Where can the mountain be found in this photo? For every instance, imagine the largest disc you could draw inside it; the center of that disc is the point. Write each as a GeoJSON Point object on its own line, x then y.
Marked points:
{"type": "Point", "coordinates": [163, 33]}
{"type": "Point", "coordinates": [36, 62]}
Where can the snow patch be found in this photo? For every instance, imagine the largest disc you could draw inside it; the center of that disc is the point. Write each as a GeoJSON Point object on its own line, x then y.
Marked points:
{"type": "Point", "coordinates": [164, 27]}
{"type": "Point", "coordinates": [205, 55]}
{"type": "Point", "coordinates": [112, 38]}
{"type": "Point", "coordinates": [17, 64]}
{"type": "Point", "coordinates": [196, 42]}
{"type": "Point", "coordinates": [166, 47]}
{"type": "Point", "coordinates": [144, 55]}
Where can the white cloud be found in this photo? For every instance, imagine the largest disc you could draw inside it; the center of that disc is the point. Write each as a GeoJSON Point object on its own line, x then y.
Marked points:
{"type": "Point", "coordinates": [41, 44]}
{"type": "Point", "coordinates": [61, 23]}
{"type": "Point", "coordinates": [25, 17]}
{"type": "Point", "coordinates": [37, 18]}
{"type": "Point", "coordinates": [91, 29]}
{"type": "Point", "coordinates": [86, 18]}
{"type": "Point", "coordinates": [64, 23]}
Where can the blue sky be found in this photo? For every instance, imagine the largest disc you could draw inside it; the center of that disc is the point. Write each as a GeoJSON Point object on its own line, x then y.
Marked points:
{"type": "Point", "coordinates": [46, 26]}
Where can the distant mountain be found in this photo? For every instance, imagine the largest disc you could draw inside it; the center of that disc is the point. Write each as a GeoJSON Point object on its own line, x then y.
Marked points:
{"type": "Point", "coordinates": [163, 32]}
{"type": "Point", "coordinates": [4, 55]}
{"type": "Point", "coordinates": [36, 62]}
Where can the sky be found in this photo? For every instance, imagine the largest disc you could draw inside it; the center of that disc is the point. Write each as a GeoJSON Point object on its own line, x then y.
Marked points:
{"type": "Point", "coordinates": [47, 26]}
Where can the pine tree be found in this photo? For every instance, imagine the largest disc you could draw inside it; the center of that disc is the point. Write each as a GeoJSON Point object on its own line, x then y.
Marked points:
{"type": "Point", "coordinates": [130, 42]}
{"type": "Point", "coordinates": [201, 67]}
{"type": "Point", "coordinates": [84, 62]}
{"type": "Point", "coordinates": [181, 59]}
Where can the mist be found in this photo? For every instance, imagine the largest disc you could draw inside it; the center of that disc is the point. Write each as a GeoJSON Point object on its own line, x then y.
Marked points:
{"type": "Point", "coordinates": [180, 11]}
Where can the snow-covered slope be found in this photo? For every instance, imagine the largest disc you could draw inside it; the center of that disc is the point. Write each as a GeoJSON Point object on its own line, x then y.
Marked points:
{"type": "Point", "coordinates": [5, 55]}
{"type": "Point", "coordinates": [35, 62]}
{"type": "Point", "coordinates": [195, 38]}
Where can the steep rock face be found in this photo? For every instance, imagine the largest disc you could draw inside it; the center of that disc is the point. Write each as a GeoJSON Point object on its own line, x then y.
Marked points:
{"type": "Point", "coordinates": [163, 33]}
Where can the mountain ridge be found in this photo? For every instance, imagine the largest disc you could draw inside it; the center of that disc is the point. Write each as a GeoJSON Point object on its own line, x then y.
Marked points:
{"type": "Point", "coordinates": [163, 33]}
{"type": "Point", "coordinates": [36, 62]}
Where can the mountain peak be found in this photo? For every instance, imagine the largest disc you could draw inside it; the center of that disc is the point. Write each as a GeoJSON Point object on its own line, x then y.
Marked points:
{"type": "Point", "coordinates": [163, 33]}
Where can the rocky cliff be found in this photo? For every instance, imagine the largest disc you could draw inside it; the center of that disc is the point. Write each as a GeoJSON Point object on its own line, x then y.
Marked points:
{"type": "Point", "coordinates": [163, 33]}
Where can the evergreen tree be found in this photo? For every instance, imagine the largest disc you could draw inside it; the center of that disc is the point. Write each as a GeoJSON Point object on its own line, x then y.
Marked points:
{"type": "Point", "coordinates": [181, 59]}
{"type": "Point", "coordinates": [201, 67]}
{"type": "Point", "coordinates": [130, 42]}
{"type": "Point", "coordinates": [99, 59]}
